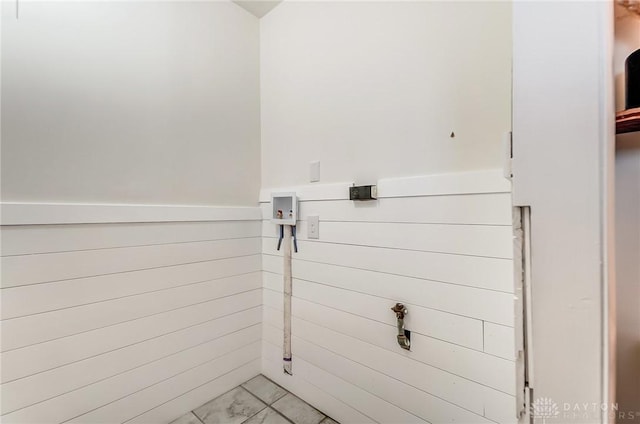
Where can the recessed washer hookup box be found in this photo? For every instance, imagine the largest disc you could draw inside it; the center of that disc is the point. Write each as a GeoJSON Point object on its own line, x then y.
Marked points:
{"type": "Point", "coordinates": [284, 208]}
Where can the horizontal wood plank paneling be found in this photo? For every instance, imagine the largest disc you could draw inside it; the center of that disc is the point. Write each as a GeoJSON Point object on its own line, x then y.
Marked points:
{"type": "Point", "coordinates": [34, 269]}
{"type": "Point", "coordinates": [476, 240]}
{"type": "Point", "coordinates": [486, 209]}
{"type": "Point", "coordinates": [471, 364]}
{"type": "Point", "coordinates": [57, 381]}
{"type": "Point", "coordinates": [40, 357]}
{"type": "Point", "coordinates": [114, 322]}
{"type": "Point", "coordinates": [499, 340]}
{"type": "Point", "coordinates": [417, 402]}
{"type": "Point", "coordinates": [442, 245]}
{"type": "Point", "coordinates": [21, 240]}
{"type": "Point", "coordinates": [482, 304]}
{"type": "Point", "coordinates": [47, 326]}
{"type": "Point", "coordinates": [472, 271]}
{"type": "Point", "coordinates": [15, 213]}
{"type": "Point", "coordinates": [39, 298]}
{"type": "Point", "coordinates": [456, 383]}
{"type": "Point", "coordinates": [233, 351]}
{"type": "Point", "coordinates": [377, 408]}
{"type": "Point", "coordinates": [457, 329]}
{"type": "Point", "coordinates": [472, 182]}
{"type": "Point", "coordinates": [140, 322]}
{"type": "Point", "coordinates": [146, 399]}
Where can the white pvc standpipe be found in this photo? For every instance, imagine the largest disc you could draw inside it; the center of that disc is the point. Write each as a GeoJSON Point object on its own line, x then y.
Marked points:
{"type": "Point", "coordinates": [288, 284]}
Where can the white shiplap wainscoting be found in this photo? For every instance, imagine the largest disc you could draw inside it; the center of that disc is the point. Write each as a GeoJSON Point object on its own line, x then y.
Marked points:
{"type": "Point", "coordinates": [125, 313]}
{"type": "Point", "coordinates": [440, 244]}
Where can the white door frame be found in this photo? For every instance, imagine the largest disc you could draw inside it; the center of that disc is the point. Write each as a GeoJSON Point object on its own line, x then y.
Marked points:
{"type": "Point", "coordinates": [563, 151]}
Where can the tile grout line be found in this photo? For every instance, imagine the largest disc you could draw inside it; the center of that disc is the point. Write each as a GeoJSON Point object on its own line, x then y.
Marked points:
{"type": "Point", "coordinates": [279, 413]}
{"type": "Point", "coordinates": [324, 416]}
{"type": "Point", "coordinates": [260, 400]}
{"type": "Point", "coordinates": [289, 393]}
{"type": "Point", "coordinates": [270, 381]}
{"type": "Point", "coordinates": [268, 406]}
{"type": "Point", "coordinates": [197, 417]}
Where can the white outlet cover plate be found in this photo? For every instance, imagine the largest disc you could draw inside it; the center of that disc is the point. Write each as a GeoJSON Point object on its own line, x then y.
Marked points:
{"type": "Point", "coordinates": [314, 171]}
{"type": "Point", "coordinates": [313, 227]}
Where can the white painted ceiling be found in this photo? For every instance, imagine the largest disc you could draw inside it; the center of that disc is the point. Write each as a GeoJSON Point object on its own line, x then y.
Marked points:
{"type": "Point", "coordinates": [258, 7]}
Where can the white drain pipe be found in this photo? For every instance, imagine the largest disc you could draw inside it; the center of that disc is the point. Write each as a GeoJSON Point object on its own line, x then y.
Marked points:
{"type": "Point", "coordinates": [288, 284]}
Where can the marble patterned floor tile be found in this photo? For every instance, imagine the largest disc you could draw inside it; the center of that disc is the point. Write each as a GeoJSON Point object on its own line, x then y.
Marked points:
{"type": "Point", "coordinates": [267, 416]}
{"type": "Point", "coordinates": [187, 419]}
{"type": "Point", "coordinates": [266, 390]}
{"type": "Point", "coordinates": [298, 410]}
{"type": "Point", "coordinates": [233, 407]}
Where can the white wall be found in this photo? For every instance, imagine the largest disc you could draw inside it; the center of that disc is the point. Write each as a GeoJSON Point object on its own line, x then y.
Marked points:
{"type": "Point", "coordinates": [114, 312]}
{"type": "Point", "coordinates": [130, 102]}
{"type": "Point", "coordinates": [627, 40]}
{"type": "Point", "coordinates": [374, 89]}
{"type": "Point", "coordinates": [140, 321]}
{"type": "Point", "coordinates": [445, 251]}
{"type": "Point", "coordinates": [563, 126]}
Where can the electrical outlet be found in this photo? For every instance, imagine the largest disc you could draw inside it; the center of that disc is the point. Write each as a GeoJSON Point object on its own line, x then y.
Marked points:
{"type": "Point", "coordinates": [313, 227]}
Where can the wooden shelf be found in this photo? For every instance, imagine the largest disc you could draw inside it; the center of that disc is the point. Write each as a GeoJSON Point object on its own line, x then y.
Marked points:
{"type": "Point", "coordinates": [628, 121]}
